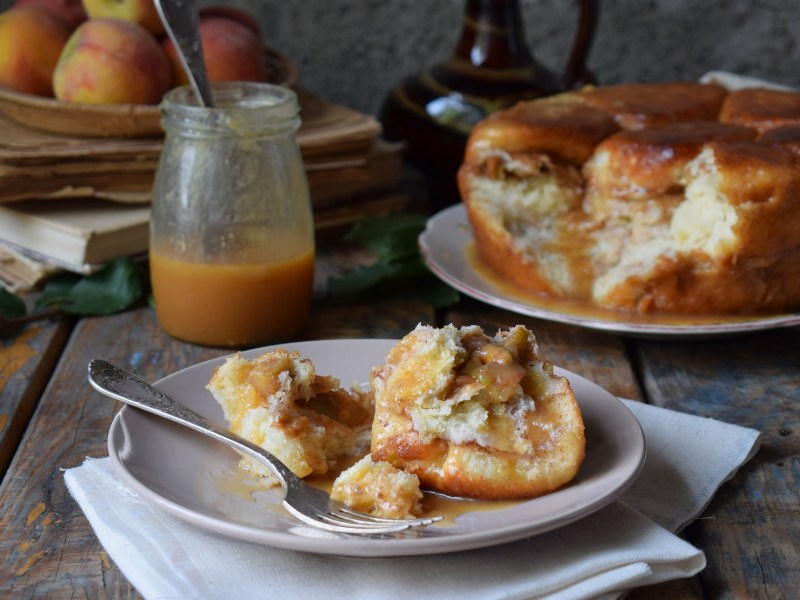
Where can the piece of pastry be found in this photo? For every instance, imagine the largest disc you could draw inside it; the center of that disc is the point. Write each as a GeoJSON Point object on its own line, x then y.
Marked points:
{"type": "Point", "coordinates": [476, 416]}
{"type": "Point", "coordinates": [648, 163]}
{"type": "Point", "coordinates": [761, 109]}
{"type": "Point", "coordinates": [561, 127]}
{"type": "Point", "coordinates": [785, 136]}
{"type": "Point", "coordinates": [641, 105]}
{"type": "Point", "coordinates": [727, 247]}
{"type": "Point", "coordinates": [520, 177]}
{"type": "Point", "coordinates": [278, 402]}
{"type": "Point", "coordinates": [378, 488]}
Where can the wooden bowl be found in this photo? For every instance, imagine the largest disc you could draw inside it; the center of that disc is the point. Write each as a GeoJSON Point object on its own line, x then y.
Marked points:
{"type": "Point", "coordinates": [109, 120]}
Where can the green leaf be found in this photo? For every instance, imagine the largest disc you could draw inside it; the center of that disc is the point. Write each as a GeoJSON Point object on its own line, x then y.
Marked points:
{"type": "Point", "coordinates": [438, 294]}
{"type": "Point", "coordinates": [56, 290]}
{"type": "Point", "coordinates": [11, 306]}
{"type": "Point", "coordinates": [350, 285]}
{"type": "Point", "coordinates": [391, 237]}
{"type": "Point", "coordinates": [398, 270]}
{"type": "Point", "coordinates": [112, 289]}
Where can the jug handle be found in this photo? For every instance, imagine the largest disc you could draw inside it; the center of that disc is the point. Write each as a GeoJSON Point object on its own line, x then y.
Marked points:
{"type": "Point", "coordinates": [576, 74]}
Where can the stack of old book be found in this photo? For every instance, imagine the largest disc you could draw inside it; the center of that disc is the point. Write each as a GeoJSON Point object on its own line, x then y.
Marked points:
{"type": "Point", "coordinates": [74, 203]}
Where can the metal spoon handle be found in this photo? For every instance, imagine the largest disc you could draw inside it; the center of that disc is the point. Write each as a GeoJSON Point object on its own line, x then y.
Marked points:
{"type": "Point", "coordinates": [181, 19]}
{"type": "Point", "coordinates": [130, 389]}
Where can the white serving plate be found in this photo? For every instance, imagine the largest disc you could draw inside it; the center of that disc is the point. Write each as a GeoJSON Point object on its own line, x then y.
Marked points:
{"type": "Point", "coordinates": [196, 479]}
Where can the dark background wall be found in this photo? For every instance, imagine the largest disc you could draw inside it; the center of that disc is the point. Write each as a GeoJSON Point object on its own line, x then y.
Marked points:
{"type": "Point", "coordinates": [353, 51]}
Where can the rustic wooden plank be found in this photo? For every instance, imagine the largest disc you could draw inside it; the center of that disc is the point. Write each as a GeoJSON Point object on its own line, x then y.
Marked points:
{"type": "Point", "coordinates": [27, 360]}
{"type": "Point", "coordinates": [598, 356]}
{"type": "Point", "coordinates": [50, 548]}
{"type": "Point", "coordinates": [750, 530]}
{"type": "Point", "coordinates": [678, 589]}
{"type": "Point", "coordinates": [367, 319]}
{"type": "Point", "coordinates": [43, 526]}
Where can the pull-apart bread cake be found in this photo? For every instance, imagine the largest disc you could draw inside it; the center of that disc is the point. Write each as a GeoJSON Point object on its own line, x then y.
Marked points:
{"type": "Point", "coordinates": [450, 410]}
{"type": "Point", "coordinates": [672, 197]}
{"type": "Point", "coordinates": [476, 416]}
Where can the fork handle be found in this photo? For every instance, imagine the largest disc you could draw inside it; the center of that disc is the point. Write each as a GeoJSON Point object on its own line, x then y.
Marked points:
{"type": "Point", "coordinates": [130, 389]}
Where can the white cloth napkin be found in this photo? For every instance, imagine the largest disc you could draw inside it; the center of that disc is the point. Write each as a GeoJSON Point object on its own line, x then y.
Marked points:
{"type": "Point", "coordinates": [627, 544]}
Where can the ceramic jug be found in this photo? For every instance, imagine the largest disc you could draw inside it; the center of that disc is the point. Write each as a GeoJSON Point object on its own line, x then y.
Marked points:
{"type": "Point", "coordinates": [491, 68]}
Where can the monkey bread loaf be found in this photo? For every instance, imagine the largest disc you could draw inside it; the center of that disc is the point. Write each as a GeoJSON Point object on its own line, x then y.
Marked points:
{"type": "Point", "coordinates": [674, 197]}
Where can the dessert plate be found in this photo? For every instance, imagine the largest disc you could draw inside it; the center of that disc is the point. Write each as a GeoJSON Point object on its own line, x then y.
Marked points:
{"type": "Point", "coordinates": [448, 249]}
{"type": "Point", "coordinates": [197, 479]}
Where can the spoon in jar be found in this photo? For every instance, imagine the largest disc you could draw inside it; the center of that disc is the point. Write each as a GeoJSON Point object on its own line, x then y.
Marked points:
{"type": "Point", "coordinates": [181, 20]}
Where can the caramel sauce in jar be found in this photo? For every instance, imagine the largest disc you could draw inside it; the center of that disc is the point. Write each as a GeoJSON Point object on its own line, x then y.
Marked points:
{"type": "Point", "coordinates": [232, 229]}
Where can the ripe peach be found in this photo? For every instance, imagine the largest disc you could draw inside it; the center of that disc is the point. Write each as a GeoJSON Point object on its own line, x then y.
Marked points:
{"type": "Point", "coordinates": [71, 10]}
{"type": "Point", "coordinates": [31, 40]}
{"type": "Point", "coordinates": [231, 50]}
{"type": "Point", "coordinates": [234, 14]}
{"type": "Point", "coordinates": [109, 61]}
{"type": "Point", "coordinates": [142, 12]}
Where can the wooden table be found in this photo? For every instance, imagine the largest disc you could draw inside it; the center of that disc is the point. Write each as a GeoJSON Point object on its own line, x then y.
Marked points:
{"type": "Point", "coordinates": [50, 419]}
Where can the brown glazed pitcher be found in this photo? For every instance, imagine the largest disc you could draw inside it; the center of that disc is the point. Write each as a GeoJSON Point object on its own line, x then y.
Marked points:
{"type": "Point", "coordinates": [492, 68]}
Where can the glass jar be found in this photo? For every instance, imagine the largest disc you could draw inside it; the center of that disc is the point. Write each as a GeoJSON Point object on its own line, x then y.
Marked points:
{"type": "Point", "coordinates": [232, 230]}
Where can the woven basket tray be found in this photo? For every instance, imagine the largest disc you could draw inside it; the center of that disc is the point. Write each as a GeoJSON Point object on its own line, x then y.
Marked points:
{"type": "Point", "coordinates": [109, 120]}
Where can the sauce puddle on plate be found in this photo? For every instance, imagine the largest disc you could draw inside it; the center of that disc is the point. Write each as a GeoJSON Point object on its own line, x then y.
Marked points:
{"type": "Point", "coordinates": [242, 486]}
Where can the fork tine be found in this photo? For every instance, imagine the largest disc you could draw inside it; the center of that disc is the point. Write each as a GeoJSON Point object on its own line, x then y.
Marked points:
{"type": "Point", "coordinates": [329, 522]}
{"type": "Point", "coordinates": [354, 514]}
{"type": "Point", "coordinates": [343, 509]}
{"type": "Point", "coordinates": [364, 526]}
{"type": "Point", "coordinates": [347, 519]}
{"type": "Point", "coordinates": [353, 518]}
{"type": "Point", "coordinates": [359, 523]}
{"type": "Point", "coordinates": [356, 517]}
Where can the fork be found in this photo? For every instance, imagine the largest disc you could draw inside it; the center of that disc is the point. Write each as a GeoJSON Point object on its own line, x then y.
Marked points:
{"type": "Point", "coordinates": [309, 504]}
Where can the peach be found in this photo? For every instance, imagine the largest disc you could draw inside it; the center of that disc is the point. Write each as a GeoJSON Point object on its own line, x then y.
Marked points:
{"type": "Point", "coordinates": [71, 10]}
{"type": "Point", "coordinates": [109, 61]}
{"type": "Point", "coordinates": [234, 14]}
{"type": "Point", "coordinates": [142, 12]}
{"type": "Point", "coordinates": [31, 40]}
{"type": "Point", "coordinates": [231, 50]}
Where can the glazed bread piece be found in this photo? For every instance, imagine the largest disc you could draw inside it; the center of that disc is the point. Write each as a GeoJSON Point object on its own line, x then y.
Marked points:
{"type": "Point", "coordinates": [641, 105]}
{"type": "Point", "coordinates": [379, 489]}
{"type": "Point", "coordinates": [729, 246]}
{"type": "Point", "coordinates": [476, 416]}
{"type": "Point", "coordinates": [648, 163]}
{"type": "Point", "coordinates": [761, 109]}
{"type": "Point", "coordinates": [520, 223]}
{"type": "Point", "coordinates": [278, 402]}
{"type": "Point", "coordinates": [561, 127]}
{"type": "Point", "coordinates": [785, 136]}
{"type": "Point", "coordinates": [521, 177]}
{"type": "Point", "coordinates": [626, 232]}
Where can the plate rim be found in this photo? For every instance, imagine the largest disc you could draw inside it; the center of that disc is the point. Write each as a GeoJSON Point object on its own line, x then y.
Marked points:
{"type": "Point", "coordinates": [359, 546]}
{"type": "Point", "coordinates": [456, 216]}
